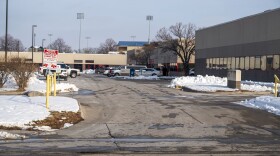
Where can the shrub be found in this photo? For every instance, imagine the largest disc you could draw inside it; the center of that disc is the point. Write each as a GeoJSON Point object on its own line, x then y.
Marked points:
{"type": "Point", "coordinates": [4, 72]}
{"type": "Point", "coordinates": [21, 71]}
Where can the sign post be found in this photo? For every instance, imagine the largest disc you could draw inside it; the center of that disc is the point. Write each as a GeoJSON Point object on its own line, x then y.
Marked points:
{"type": "Point", "coordinates": [50, 62]}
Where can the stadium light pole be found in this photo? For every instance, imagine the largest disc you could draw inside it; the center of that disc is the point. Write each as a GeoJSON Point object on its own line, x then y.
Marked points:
{"type": "Point", "coordinates": [80, 16]}
{"type": "Point", "coordinates": [133, 37]}
{"type": "Point", "coordinates": [32, 47]}
{"type": "Point", "coordinates": [149, 18]}
{"type": "Point", "coordinates": [6, 34]}
{"type": "Point", "coordinates": [87, 41]}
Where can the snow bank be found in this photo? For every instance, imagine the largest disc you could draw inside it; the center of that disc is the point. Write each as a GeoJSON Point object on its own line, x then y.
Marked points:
{"type": "Point", "coordinates": [213, 84]}
{"type": "Point", "coordinates": [21, 110]}
{"type": "Point", "coordinates": [6, 135]}
{"type": "Point", "coordinates": [268, 103]}
{"type": "Point", "coordinates": [35, 84]}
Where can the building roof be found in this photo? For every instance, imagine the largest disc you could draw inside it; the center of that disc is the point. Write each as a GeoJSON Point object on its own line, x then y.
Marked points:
{"type": "Point", "coordinates": [131, 43]}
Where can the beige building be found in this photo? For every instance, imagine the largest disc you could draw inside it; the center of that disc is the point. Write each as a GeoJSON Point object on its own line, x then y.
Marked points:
{"type": "Point", "coordinates": [81, 61]}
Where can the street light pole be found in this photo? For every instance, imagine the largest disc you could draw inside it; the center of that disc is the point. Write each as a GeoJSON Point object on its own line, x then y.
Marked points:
{"type": "Point", "coordinates": [6, 35]}
{"type": "Point", "coordinates": [80, 16]}
{"type": "Point", "coordinates": [32, 47]}
{"type": "Point", "coordinates": [149, 18]}
{"type": "Point", "coordinates": [43, 50]}
{"type": "Point", "coordinates": [50, 40]}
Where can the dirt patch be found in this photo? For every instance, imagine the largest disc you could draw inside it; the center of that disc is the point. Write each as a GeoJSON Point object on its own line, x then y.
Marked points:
{"type": "Point", "coordinates": [57, 119]}
{"type": "Point", "coordinates": [9, 128]}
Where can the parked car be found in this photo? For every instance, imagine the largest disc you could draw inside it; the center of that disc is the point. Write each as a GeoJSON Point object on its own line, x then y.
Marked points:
{"type": "Point", "coordinates": [192, 72]}
{"type": "Point", "coordinates": [149, 72]}
{"type": "Point", "coordinates": [124, 70]}
{"type": "Point", "coordinates": [109, 71]}
{"type": "Point", "coordinates": [99, 70]}
{"type": "Point", "coordinates": [73, 73]}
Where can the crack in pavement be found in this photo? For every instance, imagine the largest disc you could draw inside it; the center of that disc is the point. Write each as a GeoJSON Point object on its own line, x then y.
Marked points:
{"type": "Point", "coordinates": [192, 116]}
{"type": "Point", "coordinates": [110, 134]}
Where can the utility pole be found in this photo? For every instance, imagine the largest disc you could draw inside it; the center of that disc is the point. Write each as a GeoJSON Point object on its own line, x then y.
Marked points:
{"type": "Point", "coordinates": [6, 35]}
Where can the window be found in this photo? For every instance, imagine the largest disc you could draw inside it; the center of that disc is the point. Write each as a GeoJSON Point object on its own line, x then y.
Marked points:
{"type": "Point", "coordinates": [269, 62]}
{"type": "Point", "coordinates": [89, 61]}
{"type": "Point", "coordinates": [242, 64]}
{"type": "Point", "coordinates": [225, 63]}
{"type": "Point", "coordinates": [252, 62]}
{"type": "Point", "coordinates": [210, 63]}
{"type": "Point", "coordinates": [263, 62]}
{"type": "Point", "coordinates": [237, 63]}
{"type": "Point", "coordinates": [78, 61]}
{"type": "Point", "coordinates": [247, 63]}
{"type": "Point", "coordinates": [228, 63]}
{"type": "Point", "coordinates": [258, 62]}
{"type": "Point", "coordinates": [221, 63]}
{"type": "Point", "coordinates": [233, 63]}
{"type": "Point", "coordinates": [276, 62]}
{"type": "Point", "coordinates": [207, 63]}
{"type": "Point", "coordinates": [217, 63]}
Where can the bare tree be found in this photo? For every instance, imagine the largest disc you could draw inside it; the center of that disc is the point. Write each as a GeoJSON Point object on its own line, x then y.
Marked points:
{"type": "Point", "coordinates": [179, 39]}
{"type": "Point", "coordinates": [109, 45]}
{"type": "Point", "coordinates": [60, 45]}
{"type": "Point", "coordinates": [13, 44]}
{"type": "Point", "coordinates": [144, 55]}
{"type": "Point", "coordinates": [90, 50]}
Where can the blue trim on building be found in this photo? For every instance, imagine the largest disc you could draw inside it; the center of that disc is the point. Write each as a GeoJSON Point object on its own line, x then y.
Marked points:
{"type": "Point", "coordinates": [131, 43]}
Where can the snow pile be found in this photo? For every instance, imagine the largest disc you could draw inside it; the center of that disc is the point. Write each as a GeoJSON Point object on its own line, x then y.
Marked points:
{"type": "Point", "coordinates": [21, 110]}
{"type": "Point", "coordinates": [6, 135]}
{"type": "Point", "coordinates": [268, 103]}
{"type": "Point", "coordinates": [89, 71]}
{"type": "Point", "coordinates": [213, 84]}
{"type": "Point", "coordinates": [35, 84]}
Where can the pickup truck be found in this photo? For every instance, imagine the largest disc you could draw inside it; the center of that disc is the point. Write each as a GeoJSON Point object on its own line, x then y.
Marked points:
{"type": "Point", "coordinates": [73, 73]}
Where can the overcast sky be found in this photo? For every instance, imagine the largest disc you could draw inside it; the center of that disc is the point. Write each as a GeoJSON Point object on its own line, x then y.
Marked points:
{"type": "Point", "coordinates": [117, 19]}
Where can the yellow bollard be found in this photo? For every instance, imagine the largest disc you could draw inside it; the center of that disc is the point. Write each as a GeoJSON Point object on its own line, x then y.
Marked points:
{"type": "Point", "coordinates": [275, 85]}
{"type": "Point", "coordinates": [54, 84]}
{"type": "Point", "coordinates": [47, 91]}
{"type": "Point", "coordinates": [51, 85]}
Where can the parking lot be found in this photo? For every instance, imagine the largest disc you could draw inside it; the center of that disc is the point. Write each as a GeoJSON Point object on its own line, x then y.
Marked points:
{"type": "Point", "coordinates": [145, 116]}
{"type": "Point", "coordinates": [147, 109]}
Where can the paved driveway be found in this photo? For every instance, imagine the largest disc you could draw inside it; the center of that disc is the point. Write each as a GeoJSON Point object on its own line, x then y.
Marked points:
{"type": "Point", "coordinates": [128, 116]}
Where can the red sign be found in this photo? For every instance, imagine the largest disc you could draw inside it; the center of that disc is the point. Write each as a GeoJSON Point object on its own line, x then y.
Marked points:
{"type": "Point", "coordinates": [50, 58]}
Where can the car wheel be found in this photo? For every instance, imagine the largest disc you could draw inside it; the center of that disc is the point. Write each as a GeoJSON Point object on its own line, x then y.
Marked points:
{"type": "Point", "coordinates": [154, 74]}
{"type": "Point", "coordinates": [73, 75]}
{"type": "Point", "coordinates": [117, 74]}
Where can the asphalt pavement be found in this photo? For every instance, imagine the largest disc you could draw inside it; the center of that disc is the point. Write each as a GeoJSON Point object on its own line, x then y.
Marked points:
{"type": "Point", "coordinates": [147, 117]}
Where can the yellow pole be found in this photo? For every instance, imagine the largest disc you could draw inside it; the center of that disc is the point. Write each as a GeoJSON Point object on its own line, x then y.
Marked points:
{"type": "Point", "coordinates": [51, 84]}
{"type": "Point", "coordinates": [54, 84]}
{"type": "Point", "coordinates": [275, 85]}
{"type": "Point", "coordinates": [47, 92]}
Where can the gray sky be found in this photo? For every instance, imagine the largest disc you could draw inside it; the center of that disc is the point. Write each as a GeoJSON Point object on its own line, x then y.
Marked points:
{"type": "Point", "coordinates": [117, 19]}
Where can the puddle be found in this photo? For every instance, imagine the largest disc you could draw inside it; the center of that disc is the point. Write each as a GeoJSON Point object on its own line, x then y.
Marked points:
{"type": "Point", "coordinates": [171, 115]}
{"type": "Point", "coordinates": [84, 92]}
{"type": "Point", "coordinates": [165, 126]}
